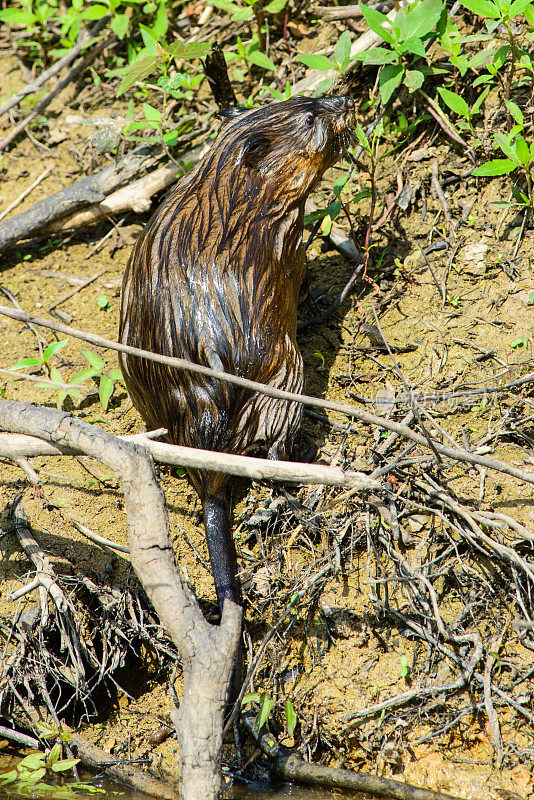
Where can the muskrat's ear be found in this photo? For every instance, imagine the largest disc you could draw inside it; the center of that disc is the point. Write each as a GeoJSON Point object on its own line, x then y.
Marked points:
{"type": "Point", "coordinates": [255, 148]}
{"type": "Point", "coordinates": [230, 113]}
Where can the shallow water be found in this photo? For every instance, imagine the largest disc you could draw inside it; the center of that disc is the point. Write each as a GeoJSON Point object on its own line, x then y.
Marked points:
{"type": "Point", "coordinates": [114, 791]}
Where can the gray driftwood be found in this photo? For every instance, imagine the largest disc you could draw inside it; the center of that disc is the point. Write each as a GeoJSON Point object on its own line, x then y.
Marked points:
{"type": "Point", "coordinates": [88, 191]}
{"type": "Point", "coordinates": [207, 651]}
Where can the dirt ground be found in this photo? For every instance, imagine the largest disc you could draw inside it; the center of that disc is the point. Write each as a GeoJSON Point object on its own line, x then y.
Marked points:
{"type": "Point", "coordinates": [480, 335]}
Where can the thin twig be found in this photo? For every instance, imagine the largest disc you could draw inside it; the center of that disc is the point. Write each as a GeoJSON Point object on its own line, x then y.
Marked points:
{"type": "Point", "coordinates": [25, 193]}
{"type": "Point", "coordinates": [271, 391]}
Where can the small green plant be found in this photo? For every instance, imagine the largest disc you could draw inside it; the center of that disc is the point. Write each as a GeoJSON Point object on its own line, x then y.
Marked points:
{"type": "Point", "coordinates": [499, 15]}
{"type": "Point", "coordinates": [106, 380]}
{"type": "Point", "coordinates": [322, 63]}
{"type": "Point", "coordinates": [404, 670]}
{"type": "Point", "coordinates": [43, 360]}
{"type": "Point", "coordinates": [519, 156]}
{"type": "Point", "coordinates": [159, 58]}
{"type": "Point", "coordinates": [250, 54]}
{"type": "Point", "coordinates": [35, 16]}
{"type": "Point", "coordinates": [30, 773]}
{"type": "Point", "coordinates": [405, 38]}
{"type": "Point", "coordinates": [266, 705]}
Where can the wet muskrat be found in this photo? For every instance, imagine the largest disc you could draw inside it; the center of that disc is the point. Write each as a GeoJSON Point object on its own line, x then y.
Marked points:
{"type": "Point", "coordinates": [215, 278]}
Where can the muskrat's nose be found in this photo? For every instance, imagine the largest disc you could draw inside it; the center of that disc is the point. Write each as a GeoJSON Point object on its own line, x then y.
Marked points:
{"type": "Point", "coordinates": [349, 104]}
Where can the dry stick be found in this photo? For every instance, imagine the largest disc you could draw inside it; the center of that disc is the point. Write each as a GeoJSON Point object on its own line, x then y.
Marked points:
{"type": "Point", "coordinates": [15, 446]}
{"type": "Point", "coordinates": [493, 719]}
{"type": "Point", "coordinates": [85, 192]}
{"type": "Point", "coordinates": [40, 339]}
{"type": "Point", "coordinates": [74, 291]}
{"type": "Point", "coordinates": [10, 373]}
{"type": "Point", "coordinates": [133, 197]}
{"type": "Point", "coordinates": [20, 738]}
{"type": "Point", "coordinates": [95, 537]}
{"type": "Point", "coordinates": [55, 68]}
{"type": "Point", "coordinates": [45, 573]}
{"type": "Point", "coordinates": [279, 394]}
{"type": "Point", "coordinates": [71, 76]}
{"type": "Point", "coordinates": [441, 195]}
{"type": "Point", "coordinates": [329, 14]}
{"type": "Point", "coordinates": [25, 193]}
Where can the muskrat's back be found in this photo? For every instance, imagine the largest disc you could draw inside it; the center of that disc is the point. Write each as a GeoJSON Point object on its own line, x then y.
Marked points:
{"type": "Point", "coordinates": [215, 278]}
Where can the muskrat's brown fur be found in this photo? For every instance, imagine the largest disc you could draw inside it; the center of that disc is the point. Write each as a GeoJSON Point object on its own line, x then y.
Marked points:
{"type": "Point", "coordinates": [215, 278]}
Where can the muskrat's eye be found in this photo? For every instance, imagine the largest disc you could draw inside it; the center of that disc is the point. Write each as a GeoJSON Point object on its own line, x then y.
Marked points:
{"type": "Point", "coordinates": [310, 120]}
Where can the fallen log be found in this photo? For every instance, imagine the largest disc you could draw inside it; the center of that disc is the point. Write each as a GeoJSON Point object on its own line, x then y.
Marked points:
{"type": "Point", "coordinates": [88, 191]}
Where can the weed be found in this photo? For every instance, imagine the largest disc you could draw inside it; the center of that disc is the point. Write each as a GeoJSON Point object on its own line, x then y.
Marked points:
{"type": "Point", "coordinates": [27, 778]}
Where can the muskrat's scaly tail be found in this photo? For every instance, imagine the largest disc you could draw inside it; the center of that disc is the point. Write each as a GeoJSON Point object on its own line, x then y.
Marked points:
{"type": "Point", "coordinates": [224, 567]}
{"type": "Point", "coordinates": [222, 550]}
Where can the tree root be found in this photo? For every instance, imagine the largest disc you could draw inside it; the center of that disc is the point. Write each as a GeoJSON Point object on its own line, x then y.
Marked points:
{"type": "Point", "coordinates": [290, 766]}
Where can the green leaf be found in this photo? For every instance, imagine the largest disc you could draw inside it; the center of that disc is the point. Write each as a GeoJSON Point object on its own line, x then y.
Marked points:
{"type": "Point", "coordinates": [65, 764]}
{"type": "Point", "coordinates": [54, 754]}
{"type": "Point", "coordinates": [137, 71]}
{"type": "Point", "coordinates": [83, 375]}
{"type": "Point", "coordinates": [34, 776]}
{"type": "Point", "coordinates": [33, 761]}
{"type": "Point", "coordinates": [119, 25]}
{"type": "Point", "coordinates": [275, 6]}
{"type": "Point", "coordinates": [499, 166]}
{"type": "Point", "coordinates": [17, 16]}
{"type": "Point", "coordinates": [338, 184]}
{"type": "Point", "coordinates": [377, 56]}
{"type": "Point", "coordinates": [171, 138]}
{"type": "Point", "coordinates": [324, 87]}
{"type": "Point", "coordinates": [342, 50]}
{"type": "Point", "coordinates": [321, 63]}
{"type": "Point", "coordinates": [376, 21]}
{"type": "Point", "coordinates": [500, 56]}
{"type": "Point", "coordinates": [291, 717]}
{"type": "Point", "coordinates": [414, 79]}
{"type": "Point", "coordinates": [504, 142]}
{"type": "Point", "coordinates": [266, 708]}
{"type": "Point", "coordinates": [8, 777]}
{"type": "Point", "coordinates": [261, 60]}
{"type": "Point", "coordinates": [188, 50]}
{"type": "Point", "coordinates": [519, 7]}
{"type": "Point", "coordinates": [454, 101]}
{"type": "Point", "coordinates": [522, 151]}
{"type": "Point", "coordinates": [475, 109]}
{"type": "Point", "coordinates": [161, 23]}
{"type": "Point", "coordinates": [420, 20]}
{"type": "Point", "coordinates": [413, 45]}
{"type": "Point", "coordinates": [94, 359]}
{"type": "Point", "coordinates": [56, 376]}
{"type": "Point", "coordinates": [115, 375]}
{"type": "Point", "coordinates": [482, 57]}
{"type": "Point", "coordinates": [515, 111]}
{"type": "Point", "coordinates": [94, 12]}
{"type": "Point", "coordinates": [390, 77]}
{"type": "Point", "coordinates": [362, 138]}
{"type": "Point", "coordinates": [105, 391]}
{"type": "Point", "coordinates": [484, 8]}
{"type": "Point", "coordinates": [365, 193]}
{"type": "Point", "coordinates": [53, 348]}
{"type": "Point", "coordinates": [482, 79]}
{"type": "Point", "coordinates": [152, 115]}
{"type": "Point", "coordinates": [46, 730]}
{"type": "Point", "coordinates": [529, 15]}
{"type": "Point", "coordinates": [26, 362]}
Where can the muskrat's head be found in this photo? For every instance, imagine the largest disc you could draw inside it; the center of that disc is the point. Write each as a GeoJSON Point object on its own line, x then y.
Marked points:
{"type": "Point", "coordinates": [290, 144]}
